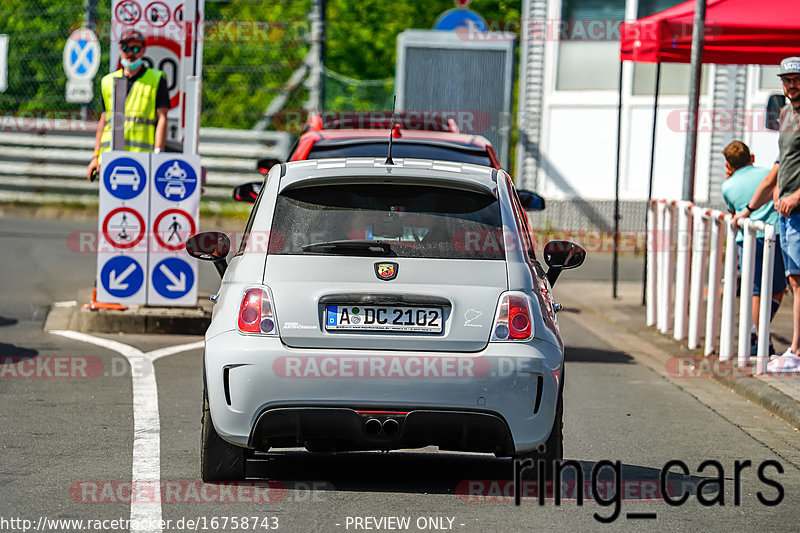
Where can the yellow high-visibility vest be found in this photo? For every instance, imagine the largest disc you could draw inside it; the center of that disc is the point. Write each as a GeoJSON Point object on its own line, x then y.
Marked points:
{"type": "Point", "coordinates": [140, 111]}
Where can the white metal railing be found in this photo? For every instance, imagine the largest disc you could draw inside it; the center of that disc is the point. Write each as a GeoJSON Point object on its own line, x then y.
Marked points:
{"type": "Point", "coordinates": [50, 166]}
{"type": "Point", "coordinates": [682, 266]}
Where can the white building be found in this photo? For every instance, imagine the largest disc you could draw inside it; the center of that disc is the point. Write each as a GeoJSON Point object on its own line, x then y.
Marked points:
{"type": "Point", "coordinates": [567, 120]}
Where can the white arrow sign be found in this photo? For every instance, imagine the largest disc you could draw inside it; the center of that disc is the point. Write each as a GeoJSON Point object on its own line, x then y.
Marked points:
{"type": "Point", "coordinates": [178, 285]}
{"type": "Point", "coordinates": [115, 283]}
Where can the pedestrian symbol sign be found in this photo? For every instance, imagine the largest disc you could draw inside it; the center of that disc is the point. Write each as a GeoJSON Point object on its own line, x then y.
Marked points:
{"type": "Point", "coordinates": [173, 278]}
{"type": "Point", "coordinates": [122, 276]}
{"type": "Point", "coordinates": [172, 227]}
{"type": "Point", "coordinates": [175, 180]}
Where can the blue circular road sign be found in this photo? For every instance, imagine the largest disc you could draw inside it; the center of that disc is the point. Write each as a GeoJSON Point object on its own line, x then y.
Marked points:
{"type": "Point", "coordinates": [124, 178]}
{"type": "Point", "coordinates": [173, 278]}
{"type": "Point", "coordinates": [122, 276]}
{"type": "Point", "coordinates": [175, 180]}
{"type": "Point", "coordinates": [459, 18]}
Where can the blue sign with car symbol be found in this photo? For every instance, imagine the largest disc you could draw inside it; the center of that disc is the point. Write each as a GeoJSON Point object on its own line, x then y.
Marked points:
{"type": "Point", "coordinates": [175, 180]}
{"type": "Point", "coordinates": [124, 178]}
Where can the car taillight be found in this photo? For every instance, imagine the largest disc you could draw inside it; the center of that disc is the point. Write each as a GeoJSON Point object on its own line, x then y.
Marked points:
{"type": "Point", "coordinates": [513, 319]}
{"type": "Point", "coordinates": [255, 313]}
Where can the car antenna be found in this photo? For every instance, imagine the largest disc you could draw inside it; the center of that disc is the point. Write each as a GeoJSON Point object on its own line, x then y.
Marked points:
{"type": "Point", "coordinates": [389, 160]}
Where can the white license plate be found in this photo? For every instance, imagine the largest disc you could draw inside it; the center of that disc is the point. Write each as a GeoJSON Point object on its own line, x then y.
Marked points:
{"type": "Point", "coordinates": [384, 318]}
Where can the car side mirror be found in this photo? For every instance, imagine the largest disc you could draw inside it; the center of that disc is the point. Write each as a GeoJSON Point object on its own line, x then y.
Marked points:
{"type": "Point", "coordinates": [267, 163]}
{"type": "Point", "coordinates": [562, 255]}
{"type": "Point", "coordinates": [247, 192]}
{"type": "Point", "coordinates": [210, 246]}
{"type": "Point", "coordinates": [530, 201]}
{"type": "Point", "coordinates": [774, 105]}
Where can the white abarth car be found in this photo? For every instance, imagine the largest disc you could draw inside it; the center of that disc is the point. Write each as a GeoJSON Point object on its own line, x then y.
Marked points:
{"type": "Point", "coordinates": [375, 306]}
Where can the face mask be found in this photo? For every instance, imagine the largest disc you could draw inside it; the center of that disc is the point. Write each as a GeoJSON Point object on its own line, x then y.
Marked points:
{"type": "Point", "coordinates": [132, 65]}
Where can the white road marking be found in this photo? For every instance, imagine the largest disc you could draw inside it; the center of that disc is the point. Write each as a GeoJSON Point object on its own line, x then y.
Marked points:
{"type": "Point", "coordinates": [66, 303]}
{"type": "Point", "coordinates": [170, 350]}
{"type": "Point", "coordinates": [146, 469]}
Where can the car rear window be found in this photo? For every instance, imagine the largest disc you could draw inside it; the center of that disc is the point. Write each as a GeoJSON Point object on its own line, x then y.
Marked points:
{"type": "Point", "coordinates": [413, 150]}
{"type": "Point", "coordinates": [416, 220]}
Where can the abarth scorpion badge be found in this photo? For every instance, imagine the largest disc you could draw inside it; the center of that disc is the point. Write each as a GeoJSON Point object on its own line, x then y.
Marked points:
{"type": "Point", "coordinates": [386, 271]}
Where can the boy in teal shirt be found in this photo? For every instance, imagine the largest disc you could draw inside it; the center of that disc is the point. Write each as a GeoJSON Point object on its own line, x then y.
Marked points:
{"type": "Point", "coordinates": [737, 190]}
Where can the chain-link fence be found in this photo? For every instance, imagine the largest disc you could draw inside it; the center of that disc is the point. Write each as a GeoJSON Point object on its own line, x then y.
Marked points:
{"type": "Point", "coordinates": [343, 93]}
{"type": "Point", "coordinates": [250, 51]}
{"type": "Point", "coordinates": [37, 31]}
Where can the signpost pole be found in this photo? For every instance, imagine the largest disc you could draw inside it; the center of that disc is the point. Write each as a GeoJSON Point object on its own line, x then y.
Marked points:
{"type": "Point", "coordinates": [192, 132]}
{"type": "Point", "coordinates": [89, 21]}
{"type": "Point", "coordinates": [118, 116]}
{"type": "Point", "coordinates": [690, 155]}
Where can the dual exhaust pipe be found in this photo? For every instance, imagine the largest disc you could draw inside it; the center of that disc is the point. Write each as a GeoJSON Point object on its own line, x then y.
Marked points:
{"type": "Point", "coordinates": [388, 427]}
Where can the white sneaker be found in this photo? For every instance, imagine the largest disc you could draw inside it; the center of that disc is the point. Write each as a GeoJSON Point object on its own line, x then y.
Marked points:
{"type": "Point", "coordinates": [786, 363]}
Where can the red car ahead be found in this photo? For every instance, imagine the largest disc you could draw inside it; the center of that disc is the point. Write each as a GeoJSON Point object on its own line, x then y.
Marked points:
{"type": "Point", "coordinates": [417, 135]}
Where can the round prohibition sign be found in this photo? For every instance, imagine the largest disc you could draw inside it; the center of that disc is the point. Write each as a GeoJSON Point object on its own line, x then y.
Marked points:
{"type": "Point", "coordinates": [124, 211]}
{"type": "Point", "coordinates": [128, 12]}
{"type": "Point", "coordinates": [157, 14]}
{"type": "Point", "coordinates": [162, 216]}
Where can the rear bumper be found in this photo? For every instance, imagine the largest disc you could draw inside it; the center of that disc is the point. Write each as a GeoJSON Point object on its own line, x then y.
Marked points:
{"type": "Point", "coordinates": [339, 429]}
{"type": "Point", "coordinates": [263, 394]}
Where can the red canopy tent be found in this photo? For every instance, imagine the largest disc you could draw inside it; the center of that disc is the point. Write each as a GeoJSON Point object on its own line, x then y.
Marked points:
{"type": "Point", "coordinates": [739, 32]}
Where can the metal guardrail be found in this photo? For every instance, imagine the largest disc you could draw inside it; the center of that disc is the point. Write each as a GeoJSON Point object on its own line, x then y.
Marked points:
{"type": "Point", "coordinates": [49, 166]}
{"type": "Point", "coordinates": [694, 253]}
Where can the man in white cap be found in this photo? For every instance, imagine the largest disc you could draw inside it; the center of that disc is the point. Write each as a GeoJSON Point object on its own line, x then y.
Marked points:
{"type": "Point", "coordinates": [787, 202]}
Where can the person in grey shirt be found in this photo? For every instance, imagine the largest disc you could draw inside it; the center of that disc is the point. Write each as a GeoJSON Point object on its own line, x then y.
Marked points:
{"type": "Point", "coordinates": [784, 183]}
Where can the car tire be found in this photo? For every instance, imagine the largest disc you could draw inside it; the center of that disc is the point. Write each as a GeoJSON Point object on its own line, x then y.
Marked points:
{"type": "Point", "coordinates": [219, 460]}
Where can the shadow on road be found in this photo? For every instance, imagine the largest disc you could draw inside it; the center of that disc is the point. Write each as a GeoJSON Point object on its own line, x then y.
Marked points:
{"type": "Point", "coordinates": [578, 354]}
{"type": "Point", "coordinates": [17, 352]}
{"type": "Point", "coordinates": [5, 321]}
{"type": "Point", "coordinates": [464, 475]}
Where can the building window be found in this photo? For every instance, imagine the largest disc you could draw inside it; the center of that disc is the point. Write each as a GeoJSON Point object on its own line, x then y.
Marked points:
{"type": "Point", "coordinates": [588, 51]}
{"type": "Point", "coordinates": [646, 8]}
{"type": "Point", "coordinates": [674, 76]}
{"type": "Point", "coordinates": [768, 78]}
{"type": "Point", "coordinates": [674, 80]}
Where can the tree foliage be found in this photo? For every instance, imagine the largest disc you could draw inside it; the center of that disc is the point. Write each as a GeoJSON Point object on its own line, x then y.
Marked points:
{"type": "Point", "coordinates": [250, 48]}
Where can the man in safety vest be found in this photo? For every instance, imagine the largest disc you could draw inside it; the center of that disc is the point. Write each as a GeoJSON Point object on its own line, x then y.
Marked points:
{"type": "Point", "coordinates": [145, 107]}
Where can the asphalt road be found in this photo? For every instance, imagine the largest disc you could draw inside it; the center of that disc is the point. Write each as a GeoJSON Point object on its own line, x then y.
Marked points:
{"type": "Point", "coordinates": [67, 442]}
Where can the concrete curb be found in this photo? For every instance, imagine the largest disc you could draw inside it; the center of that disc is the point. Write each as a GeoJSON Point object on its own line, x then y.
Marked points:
{"type": "Point", "coordinates": [766, 396]}
{"type": "Point", "coordinates": [135, 319]}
